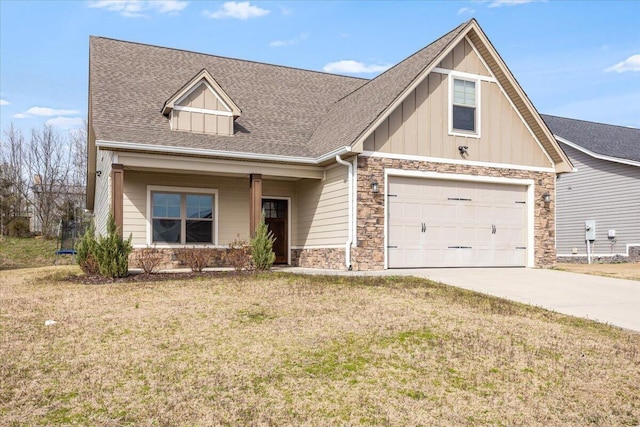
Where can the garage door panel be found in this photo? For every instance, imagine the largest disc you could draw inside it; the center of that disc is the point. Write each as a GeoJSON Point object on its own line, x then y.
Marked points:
{"type": "Point", "coordinates": [448, 223]}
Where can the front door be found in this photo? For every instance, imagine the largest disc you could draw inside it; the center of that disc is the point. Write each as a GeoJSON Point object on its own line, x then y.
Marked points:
{"type": "Point", "coordinates": [275, 217]}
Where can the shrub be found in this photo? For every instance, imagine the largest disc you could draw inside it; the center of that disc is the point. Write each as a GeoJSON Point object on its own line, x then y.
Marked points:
{"type": "Point", "coordinates": [86, 251]}
{"type": "Point", "coordinates": [112, 252]}
{"type": "Point", "coordinates": [18, 227]}
{"type": "Point", "coordinates": [148, 259]}
{"type": "Point", "coordinates": [262, 247]}
{"type": "Point", "coordinates": [196, 258]}
{"type": "Point", "coordinates": [239, 254]}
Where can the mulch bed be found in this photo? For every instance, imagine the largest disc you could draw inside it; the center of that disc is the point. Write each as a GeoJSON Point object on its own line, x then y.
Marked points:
{"type": "Point", "coordinates": [153, 277]}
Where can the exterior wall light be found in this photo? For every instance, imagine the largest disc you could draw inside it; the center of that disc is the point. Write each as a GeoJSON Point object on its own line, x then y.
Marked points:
{"type": "Point", "coordinates": [99, 173]}
{"type": "Point", "coordinates": [546, 197]}
{"type": "Point", "coordinates": [374, 187]}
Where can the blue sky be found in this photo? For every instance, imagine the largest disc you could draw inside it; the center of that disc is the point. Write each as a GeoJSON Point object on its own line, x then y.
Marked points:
{"type": "Point", "coordinates": [574, 59]}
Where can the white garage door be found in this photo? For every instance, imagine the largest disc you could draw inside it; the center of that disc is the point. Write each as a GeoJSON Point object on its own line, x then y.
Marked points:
{"type": "Point", "coordinates": [440, 223]}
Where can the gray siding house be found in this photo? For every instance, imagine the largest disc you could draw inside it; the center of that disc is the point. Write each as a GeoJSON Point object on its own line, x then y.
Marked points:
{"type": "Point", "coordinates": [604, 188]}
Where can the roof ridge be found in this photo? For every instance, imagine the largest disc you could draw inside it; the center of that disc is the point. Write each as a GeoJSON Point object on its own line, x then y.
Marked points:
{"type": "Point", "coordinates": [227, 57]}
{"type": "Point", "coordinates": [590, 121]}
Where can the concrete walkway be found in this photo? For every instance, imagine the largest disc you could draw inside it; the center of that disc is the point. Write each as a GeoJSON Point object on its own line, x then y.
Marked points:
{"type": "Point", "coordinates": [608, 300]}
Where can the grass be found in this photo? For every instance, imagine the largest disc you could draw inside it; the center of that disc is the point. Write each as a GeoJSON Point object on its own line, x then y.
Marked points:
{"type": "Point", "coordinates": [278, 349]}
{"type": "Point", "coordinates": [16, 252]}
{"type": "Point", "coordinates": [629, 271]}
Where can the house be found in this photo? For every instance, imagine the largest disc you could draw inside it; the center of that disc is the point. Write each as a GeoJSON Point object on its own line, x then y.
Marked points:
{"type": "Point", "coordinates": [604, 190]}
{"type": "Point", "coordinates": [441, 161]}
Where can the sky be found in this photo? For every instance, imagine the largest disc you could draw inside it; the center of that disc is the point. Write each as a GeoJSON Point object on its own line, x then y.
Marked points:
{"type": "Point", "coordinates": [577, 59]}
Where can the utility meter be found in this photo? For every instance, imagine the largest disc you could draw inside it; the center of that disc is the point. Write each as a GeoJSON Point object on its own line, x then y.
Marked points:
{"type": "Point", "coordinates": [590, 230]}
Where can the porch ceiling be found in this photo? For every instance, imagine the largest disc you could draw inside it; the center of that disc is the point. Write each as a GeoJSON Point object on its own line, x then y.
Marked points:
{"type": "Point", "coordinates": [191, 165]}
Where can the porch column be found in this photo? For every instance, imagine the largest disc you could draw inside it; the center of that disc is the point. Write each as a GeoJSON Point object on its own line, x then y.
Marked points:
{"type": "Point", "coordinates": [255, 202]}
{"type": "Point", "coordinates": [117, 189]}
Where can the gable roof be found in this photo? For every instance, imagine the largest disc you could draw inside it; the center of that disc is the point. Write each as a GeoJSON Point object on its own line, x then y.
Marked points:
{"type": "Point", "coordinates": [203, 75]}
{"type": "Point", "coordinates": [350, 117]}
{"type": "Point", "coordinates": [597, 139]}
{"type": "Point", "coordinates": [287, 113]}
{"type": "Point", "coordinates": [281, 106]}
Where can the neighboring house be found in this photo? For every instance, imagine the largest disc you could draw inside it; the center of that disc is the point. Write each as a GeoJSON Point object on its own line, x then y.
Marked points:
{"type": "Point", "coordinates": [441, 161]}
{"type": "Point", "coordinates": [605, 188]}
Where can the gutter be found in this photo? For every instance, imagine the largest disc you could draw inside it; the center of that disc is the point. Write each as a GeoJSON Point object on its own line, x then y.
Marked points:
{"type": "Point", "coordinates": [219, 153]}
{"type": "Point", "coordinates": [347, 245]}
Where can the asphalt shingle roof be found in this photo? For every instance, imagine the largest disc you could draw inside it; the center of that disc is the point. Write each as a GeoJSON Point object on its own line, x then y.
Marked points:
{"type": "Point", "coordinates": [285, 111]}
{"type": "Point", "coordinates": [607, 140]}
{"type": "Point", "coordinates": [281, 106]}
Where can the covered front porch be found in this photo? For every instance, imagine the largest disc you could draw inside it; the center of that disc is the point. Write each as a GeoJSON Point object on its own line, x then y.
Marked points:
{"type": "Point", "coordinates": [173, 202]}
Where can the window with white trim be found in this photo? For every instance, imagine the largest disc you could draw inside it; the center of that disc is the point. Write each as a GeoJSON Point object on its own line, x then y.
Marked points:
{"type": "Point", "coordinates": [464, 106]}
{"type": "Point", "coordinates": [182, 218]}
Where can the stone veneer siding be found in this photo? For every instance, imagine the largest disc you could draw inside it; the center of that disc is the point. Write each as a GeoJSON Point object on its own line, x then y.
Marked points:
{"type": "Point", "coordinates": [369, 253]}
{"type": "Point", "coordinates": [170, 258]}
{"type": "Point", "coordinates": [328, 258]}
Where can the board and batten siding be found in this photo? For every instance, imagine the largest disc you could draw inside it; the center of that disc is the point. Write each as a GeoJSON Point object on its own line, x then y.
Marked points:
{"type": "Point", "coordinates": [233, 201]}
{"type": "Point", "coordinates": [420, 125]}
{"type": "Point", "coordinates": [202, 98]}
{"type": "Point", "coordinates": [102, 203]}
{"type": "Point", "coordinates": [600, 190]}
{"type": "Point", "coordinates": [322, 210]}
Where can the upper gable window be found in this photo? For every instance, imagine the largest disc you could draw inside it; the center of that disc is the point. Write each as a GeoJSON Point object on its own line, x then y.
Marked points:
{"type": "Point", "coordinates": [464, 107]}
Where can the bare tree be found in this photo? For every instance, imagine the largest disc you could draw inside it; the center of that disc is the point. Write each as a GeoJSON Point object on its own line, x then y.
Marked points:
{"type": "Point", "coordinates": [47, 174]}
{"type": "Point", "coordinates": [13, 185]}
{"type": "Point", "coordinates": [48, 161]}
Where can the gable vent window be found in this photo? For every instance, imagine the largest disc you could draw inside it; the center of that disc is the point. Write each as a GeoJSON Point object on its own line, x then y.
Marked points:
{"type": "Point", "coordinates": [464, 106]}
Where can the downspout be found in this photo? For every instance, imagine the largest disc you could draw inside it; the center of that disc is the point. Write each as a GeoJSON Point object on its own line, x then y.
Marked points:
{"type": "Point", "coordinates": [347, 246]}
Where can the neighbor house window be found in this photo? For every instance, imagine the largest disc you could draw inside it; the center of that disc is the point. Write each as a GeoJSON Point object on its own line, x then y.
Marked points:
{"type": "Point", "coordinates": [464, 106]}
{"type": "Point", "coordinates": [182, 218]}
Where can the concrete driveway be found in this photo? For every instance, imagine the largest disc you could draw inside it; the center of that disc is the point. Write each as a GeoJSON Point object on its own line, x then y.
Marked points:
{"type": "Point", "coordinates": [608, 300]}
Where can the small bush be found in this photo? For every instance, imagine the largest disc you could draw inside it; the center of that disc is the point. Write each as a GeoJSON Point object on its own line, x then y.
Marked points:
{"type": "Point", "coordinates": [112, 252]}
{"type": "Point", "coordinates": [196, 258]}
{"type": "Point", "coordinates": [148, 259]}
{"type": "Point", "coordinates": [18, 227]}
{"type": "Point", "coordinates": [262, 247]}
{"type": "Point", "coordinates": [239, 254]}
{"type": "Point", "coordinates": [86, 252]}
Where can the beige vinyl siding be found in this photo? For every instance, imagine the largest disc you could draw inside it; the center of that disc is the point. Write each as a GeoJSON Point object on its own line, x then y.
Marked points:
{"type": "Point", "coordinates": [600, 190]}
{"type": "Point", "coordinates": [190, 121]}
{"type": "Point", "coordinates": [322, 210]}
{"type": "Point", "coordinates": [233, 201]}
{"type": "Point", "coordinates": [102, 205]}
{"type": "Point", "coordinates": [420, 125]}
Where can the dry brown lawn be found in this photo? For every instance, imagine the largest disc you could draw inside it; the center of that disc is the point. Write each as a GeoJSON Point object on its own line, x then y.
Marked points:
{"type": "Point", "coordinates": [629, 271]}
{"type": "Point", "coordinates": [279, 349]}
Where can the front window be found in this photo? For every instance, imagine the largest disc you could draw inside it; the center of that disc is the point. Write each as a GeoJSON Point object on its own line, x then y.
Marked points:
{"type": "Point", "coordinates": [182, 218]}
{"type": "Point", "coordinates": [464, 106]}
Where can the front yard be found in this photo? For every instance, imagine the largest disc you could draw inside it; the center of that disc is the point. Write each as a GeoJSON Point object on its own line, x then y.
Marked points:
{"type": "Point", "coordinates": [626, 270]}
{"type": "Point", "coordinates": [279, 349]}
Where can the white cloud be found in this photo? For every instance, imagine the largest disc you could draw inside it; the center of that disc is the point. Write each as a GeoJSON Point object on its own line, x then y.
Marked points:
{"type": "Point", "coordinates": [464, 10]}
{"type": "Point", "coordinates": [135, 8]}
{"type": "Point", "coordinates": [498, 3]}
{"type": "Point", "coordinates": [632, 63]}
{"type": "Point", "coordinates": [4, 102]}
{"type": "Point", "coordinates": [350, 66]}
{"type": "Point", "coordinates": [65, 122]}
{"type": "Point", "coordinates": [242, 10]}
{"type": "Point", "coordinates": [21, 116]}
{"type": "Point", "coordinates": [43, 111]}
{"type": "Point", "coordinates": [289, 42]}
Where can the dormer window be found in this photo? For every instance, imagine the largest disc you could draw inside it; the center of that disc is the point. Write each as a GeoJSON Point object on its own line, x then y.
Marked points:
{"type": "Point", "coordinates": [201, 106]}
{"type": "Point", "coordinates": [463, 103]}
